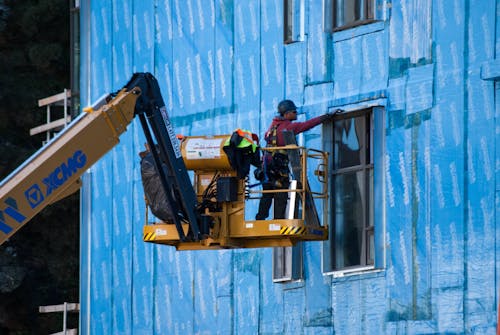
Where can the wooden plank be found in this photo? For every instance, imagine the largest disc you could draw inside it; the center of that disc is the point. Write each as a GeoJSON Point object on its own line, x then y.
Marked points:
{"type": "Point", "coordinates": [70, 307]}
{"type": "Point", "coordinates": [311, 213]}
{"type": "Point", "coordinates": [50, 126]}
{"type": "Point", "coordinates": [68, 332]}
{"type": "Point", "coordinates": [54, 98]}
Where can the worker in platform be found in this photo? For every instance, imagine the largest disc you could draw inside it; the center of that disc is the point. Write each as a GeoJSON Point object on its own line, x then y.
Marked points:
{"type": "Point", "coordinates": [275, 173]}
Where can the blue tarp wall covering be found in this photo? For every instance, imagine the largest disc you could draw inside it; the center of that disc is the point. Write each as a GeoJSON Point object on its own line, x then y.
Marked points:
{"type": "Point", "coordinates": [432, 65]}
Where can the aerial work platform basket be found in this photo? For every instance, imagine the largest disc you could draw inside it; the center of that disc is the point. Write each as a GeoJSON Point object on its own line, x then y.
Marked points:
{"type": "Point", "coordinates": [225, 224]}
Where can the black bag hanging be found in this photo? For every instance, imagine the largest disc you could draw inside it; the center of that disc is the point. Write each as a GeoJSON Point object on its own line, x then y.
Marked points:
{"type": "Point", "coordinates": [153, 190]}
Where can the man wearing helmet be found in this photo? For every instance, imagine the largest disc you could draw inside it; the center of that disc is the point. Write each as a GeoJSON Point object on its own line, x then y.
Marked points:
{"type": "Point", "coordinates": [276, 163]}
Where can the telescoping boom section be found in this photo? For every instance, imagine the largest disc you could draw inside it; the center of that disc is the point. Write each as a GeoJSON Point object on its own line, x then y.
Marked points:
{"type": "Point", "coordinates": [54, 171]}
{"type": "Point", "coordinates": [207, 213]}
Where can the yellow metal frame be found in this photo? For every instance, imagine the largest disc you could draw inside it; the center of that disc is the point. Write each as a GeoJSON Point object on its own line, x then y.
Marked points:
{"type": "Point", "coordinates": [231, 230]}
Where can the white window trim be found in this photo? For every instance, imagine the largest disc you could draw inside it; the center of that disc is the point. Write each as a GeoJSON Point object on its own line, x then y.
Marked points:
{"type": "Point", "coordinates": [353, 272]}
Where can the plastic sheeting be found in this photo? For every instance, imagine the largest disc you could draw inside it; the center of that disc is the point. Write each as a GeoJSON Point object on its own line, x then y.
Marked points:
{"type": "Point", "coordinates": [223, 63]}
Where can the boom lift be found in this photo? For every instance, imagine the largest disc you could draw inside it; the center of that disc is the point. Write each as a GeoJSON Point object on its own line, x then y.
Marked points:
{"type": "Point", "coordinates": [208, 215]}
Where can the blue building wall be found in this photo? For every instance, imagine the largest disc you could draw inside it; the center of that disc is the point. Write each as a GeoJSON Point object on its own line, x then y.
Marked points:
{"type": "Point", "coordinates": [222, 64]}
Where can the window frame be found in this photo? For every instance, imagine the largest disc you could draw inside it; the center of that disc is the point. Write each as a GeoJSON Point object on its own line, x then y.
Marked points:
{"type": "Point", "coordinates": [333, 12]}
{"type": "Point", "coordinates": [377, 193]}
{"type": "Point", "coordinates": [293, 21]}
{"type": "Point", "coordinates": [288, 264]}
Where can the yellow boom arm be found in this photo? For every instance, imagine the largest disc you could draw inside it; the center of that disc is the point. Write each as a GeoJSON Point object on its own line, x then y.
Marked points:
{"type": "Point", "coordinates": [53, 172]}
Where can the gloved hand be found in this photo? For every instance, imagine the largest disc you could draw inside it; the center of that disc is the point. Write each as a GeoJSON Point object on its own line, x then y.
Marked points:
{"type": "Point", "coordinates": [331, 115]}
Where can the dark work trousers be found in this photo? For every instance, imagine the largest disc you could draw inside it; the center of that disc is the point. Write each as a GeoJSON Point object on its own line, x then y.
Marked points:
{"type": "Point", "coordinates": [280, 201]}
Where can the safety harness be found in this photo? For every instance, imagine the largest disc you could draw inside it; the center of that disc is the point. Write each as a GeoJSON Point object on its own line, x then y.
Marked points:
{"type": "Point", "coordinates": [275, 162]}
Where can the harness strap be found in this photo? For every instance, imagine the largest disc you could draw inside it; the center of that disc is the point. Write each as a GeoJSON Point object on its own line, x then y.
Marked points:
{"type": "Point", "coordinates": [272, 138]}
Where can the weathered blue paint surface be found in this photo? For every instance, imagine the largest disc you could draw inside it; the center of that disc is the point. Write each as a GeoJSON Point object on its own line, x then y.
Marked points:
{"type": "Point", "coordinates": [433, 67]}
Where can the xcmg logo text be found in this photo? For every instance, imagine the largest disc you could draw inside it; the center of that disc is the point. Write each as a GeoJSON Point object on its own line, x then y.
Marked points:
{"type": "Point", "coordinates": [35, 194]}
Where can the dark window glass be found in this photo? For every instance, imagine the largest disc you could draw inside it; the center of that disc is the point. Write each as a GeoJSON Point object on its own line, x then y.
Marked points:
{"type": "Point", "coordinates": [352, 228]}
{"type": "Point", "coordinates": [340, 14]}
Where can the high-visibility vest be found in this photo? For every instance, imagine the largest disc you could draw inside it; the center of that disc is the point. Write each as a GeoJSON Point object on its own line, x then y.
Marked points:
{"type": "Point", "coordinates": [247, 139]}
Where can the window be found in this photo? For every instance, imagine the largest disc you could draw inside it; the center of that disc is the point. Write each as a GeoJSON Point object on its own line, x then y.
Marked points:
{"type": "Point", "coordinates": [340, 14]}
{"type": "Point", "coordinates": [352, 241]}
{"type": "Point", "coordinates": [288, 263]}
{"type": "Point", "coordinates": [293, 27]}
